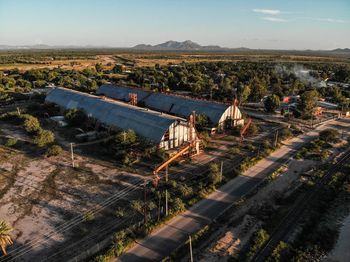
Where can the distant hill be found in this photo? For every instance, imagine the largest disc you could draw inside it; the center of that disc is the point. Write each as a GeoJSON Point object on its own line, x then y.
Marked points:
{"type": "Point", "coordinates": [341, 50]}
{"type": "Point", "coordinates": [174, 45]}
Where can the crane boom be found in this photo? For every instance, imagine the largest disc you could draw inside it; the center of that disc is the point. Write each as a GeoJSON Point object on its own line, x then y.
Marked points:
{"type": "Point", "coordinates": [245, 128]}
{"type": "Point", "coordinates": [179, 153]}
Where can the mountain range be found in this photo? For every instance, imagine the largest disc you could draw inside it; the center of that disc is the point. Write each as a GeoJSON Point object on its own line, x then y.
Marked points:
{"type": "Point", "coordinates": [174, 45]}
{"type": "Point", "coordinates": [171, 45]}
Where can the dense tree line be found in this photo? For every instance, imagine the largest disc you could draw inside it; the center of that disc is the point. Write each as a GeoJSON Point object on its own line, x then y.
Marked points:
{"type": "Point", "coordinates": [248, 81]}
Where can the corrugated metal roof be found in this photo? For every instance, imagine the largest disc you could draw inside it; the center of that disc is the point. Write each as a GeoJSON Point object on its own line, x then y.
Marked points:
{"type": "Point", "coordinates": [171, 104]}
{"type": "Point", "coordinates": [147, 123]}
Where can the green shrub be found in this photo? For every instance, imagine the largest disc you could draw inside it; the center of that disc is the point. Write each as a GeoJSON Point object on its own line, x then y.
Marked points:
{"type": "Point", "coordinates": [253, 129]}
{"type": "Point", "coordinates": [44, 137]}
{"type": "Point", "coordinates": [54, 150]}
{"type": "Point", "coordinates": [329, 135]}
{"type": "Point", "coordinates": [120, 212]}
{"type": "Point", "coordinates": [234, 151]}
{"type": "Point", "coordinates": [31, 124]}
{"type": "Point", "coordinates": [214, 174]}
{"type": "Point", "coordinates": [11, 142]}
{"type": "Point", "coordinates": [87, 217]}
{"type": "Point", "coordinates": [259, 238]}
{"type": "Point", "coordinates": [178, 205]}
{"type": "Point", "coordinates": [185, 190]}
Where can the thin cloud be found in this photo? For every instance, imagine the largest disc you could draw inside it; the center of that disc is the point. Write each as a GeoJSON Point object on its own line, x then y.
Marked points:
{"type": "Point", "coordinates": [331, 20]}
{"type": "Point", "coordinates": [267, 11]}
{"type": "Point", "coordinates": [274, 19]}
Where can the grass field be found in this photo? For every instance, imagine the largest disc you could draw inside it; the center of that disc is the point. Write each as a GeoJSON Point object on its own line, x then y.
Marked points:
{"type": "Point", "coordinates": [70, 59]}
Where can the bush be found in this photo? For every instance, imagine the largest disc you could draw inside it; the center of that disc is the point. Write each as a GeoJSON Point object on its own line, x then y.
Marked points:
{"type": "Point", "coordinates": [185, 190]}
{"type": "Point", "coordinates": [259, 238]}
{"type": "Point", "coordinates": [253, 129]}
{"type": "Point", "coordinates": [234, 151]}
{"type": "Point", "coordinates": [126, 137]}
{"type": "Point", "coordinates": [178, 205]}
{"type": "Point", "coordinates": [54, 150]}
{"type": "Point", "coordinates": [87, 217]}
{"type": "Point", "coordinates": [214, 174]}
{"type": "Point", "coordinates": [31, 124]}
{"type": "Point", "coordinates": [285, 133]}
{"type": "Point", "coordinates": [44, 137]}
{"type": "Point", "coordinates": [329, 135]}
{"type": "Point", "coordinates": [11, 142]}
{"type": "Point", "coordinates": [120, 212]}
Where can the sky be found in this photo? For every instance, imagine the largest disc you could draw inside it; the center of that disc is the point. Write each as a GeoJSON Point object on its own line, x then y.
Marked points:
{"type": "Point", "coordinates": [262, 24]}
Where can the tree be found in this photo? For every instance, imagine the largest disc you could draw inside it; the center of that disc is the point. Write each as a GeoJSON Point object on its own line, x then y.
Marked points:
{"type": "Point", "coordinates": [5, 238]}
{"type": "Point", "coordinates": [243, 92]}
{"type": "Point", "coordinates": [214, 174]}
{"type": "Point", "coordinates": [44, 137]}
{"type": "Point", "coordinates": [117, 69]}
{"type": "Point", "coordinates": [99, 67]}
{"type": "Point", "coordinates": [308, 102]}
{"type": "Point", "coordinates": [329, 135]}
{"type": "Point", "coordinates": [258, 90]}
{"type": "Point", "coordinates": [202, 121]}
{"type": "Point", "coordinates": [271, 103]}
{"type": "Point", "coordinates": [75, 117]}
{"type": "Point", "coordinates": [126, 137]}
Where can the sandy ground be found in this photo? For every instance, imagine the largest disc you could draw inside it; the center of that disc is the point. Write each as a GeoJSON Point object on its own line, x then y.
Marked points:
{"type": "Point", "coordinates": [39, 195]}
{"type": "Point", "coordinates": [77, 64]}
{"type": "Point", "coordinates": [229, 240]}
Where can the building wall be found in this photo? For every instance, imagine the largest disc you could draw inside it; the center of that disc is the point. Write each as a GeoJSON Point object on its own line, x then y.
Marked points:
{"type": "Point", "coordinates": [177, 134]}
{"type": "Point", "coordinates": [231, 113]}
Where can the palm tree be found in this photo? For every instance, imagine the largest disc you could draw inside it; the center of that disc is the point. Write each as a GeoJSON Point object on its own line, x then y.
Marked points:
{"type": "Point", "coordinates": [5, 239]}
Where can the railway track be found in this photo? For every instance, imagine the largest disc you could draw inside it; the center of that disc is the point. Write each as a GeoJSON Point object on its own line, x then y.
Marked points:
{"type": "Point", "coordinates": [291, 219]}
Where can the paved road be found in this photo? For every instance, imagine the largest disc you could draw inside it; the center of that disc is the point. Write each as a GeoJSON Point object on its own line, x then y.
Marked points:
{"type": "Point", "coordinates": [167, 238]}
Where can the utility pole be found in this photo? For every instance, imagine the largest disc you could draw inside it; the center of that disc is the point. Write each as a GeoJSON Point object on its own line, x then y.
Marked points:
{"type": "Point", "coordinates": [191, 254]}
{"type": "Point", "coordinates": [144, 204]}
{"type": "Point", "coordinates": [276, 138]}
{"type": "Point", "coordinates": [159, 201]}
{"type": "Point", "coordinates": [166, 191]}
{"type": "Point", "coordinates": [221, 169]}
{"type": "Point", "coordinates": [72, 154]}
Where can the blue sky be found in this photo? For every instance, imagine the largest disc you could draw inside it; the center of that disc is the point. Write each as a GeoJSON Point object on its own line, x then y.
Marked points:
{"type": "Point", "coordinates": [283, 24]}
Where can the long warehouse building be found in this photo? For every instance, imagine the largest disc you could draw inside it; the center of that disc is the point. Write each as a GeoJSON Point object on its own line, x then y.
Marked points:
{"type": "Point", "coordinates": [164, 130]}
{"type": "Point", "coordinates": [180, 106]}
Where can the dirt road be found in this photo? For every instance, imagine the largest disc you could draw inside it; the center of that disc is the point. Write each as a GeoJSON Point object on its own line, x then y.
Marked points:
{"type": "Point", "coordinates": [175, 232]}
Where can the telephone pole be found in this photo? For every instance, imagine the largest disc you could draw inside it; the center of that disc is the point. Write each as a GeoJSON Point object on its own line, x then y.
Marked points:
{"type": "Point", "coordinates": [191, 253]}
{"type": "Point", "coordinates": [145, 204]}
{"type": "Point", "coordinates": [221, 169]}
{"type": "Point", "coordinates": [72, 154]}
{"type": "Point", "coordinates": [166, 191]}
{"type": "Point", "coordinates": [276, 138]}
